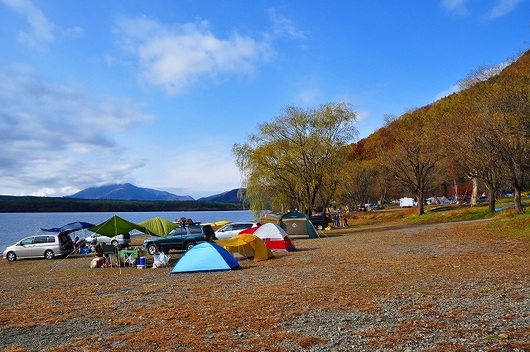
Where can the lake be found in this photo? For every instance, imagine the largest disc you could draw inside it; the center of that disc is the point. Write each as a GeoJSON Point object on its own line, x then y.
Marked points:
{"type": "Point", "coordinates": [15, 226]}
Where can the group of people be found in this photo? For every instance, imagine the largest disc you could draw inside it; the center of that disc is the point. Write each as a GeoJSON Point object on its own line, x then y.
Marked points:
{"type": "Point", "coordinates": [339, 221]}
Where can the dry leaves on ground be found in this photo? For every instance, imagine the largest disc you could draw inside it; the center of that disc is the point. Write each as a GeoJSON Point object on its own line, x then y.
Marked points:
{"type": "Point", "coordinates": [438, 288]}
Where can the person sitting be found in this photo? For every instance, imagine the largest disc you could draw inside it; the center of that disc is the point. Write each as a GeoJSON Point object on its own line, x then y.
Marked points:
{"type": "Point", "coordinates": [76, 244]}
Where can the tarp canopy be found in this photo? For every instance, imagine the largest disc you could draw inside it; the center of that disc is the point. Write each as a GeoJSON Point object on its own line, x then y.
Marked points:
{"type": "Point", "coordinates": [159, 226]}
{"type": "Point", "coordinates": [71, 227]}
{"type": "Point", "coordinates": [205, 256]}
{"type": "Point", "coordinates": [246, 246]}
{"type": "Point", "coordinates": [116, 226]}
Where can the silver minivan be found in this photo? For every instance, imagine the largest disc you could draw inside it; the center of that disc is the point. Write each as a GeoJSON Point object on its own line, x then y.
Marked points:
{"type": "Point", "coordinates": [40, 246]}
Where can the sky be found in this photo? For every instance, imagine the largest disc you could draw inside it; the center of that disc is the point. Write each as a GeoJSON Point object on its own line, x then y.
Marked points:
{"type": "Point", "coordinates": [156, 93]}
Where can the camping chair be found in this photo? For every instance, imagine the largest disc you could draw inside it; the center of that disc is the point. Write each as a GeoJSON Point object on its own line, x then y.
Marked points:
{"type": "Point", "coordinates": [129, 259]}
{"type": "Point", "coordinates": [110, 254]}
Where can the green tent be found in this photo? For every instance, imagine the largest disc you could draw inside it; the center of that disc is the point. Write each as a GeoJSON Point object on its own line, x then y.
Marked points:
{"type": "Point", "coordinates": [116, 226]}
{"type": "Point", "coordinates": [159, 226]}
{"type": "Point", "coordinates": [295, 223]}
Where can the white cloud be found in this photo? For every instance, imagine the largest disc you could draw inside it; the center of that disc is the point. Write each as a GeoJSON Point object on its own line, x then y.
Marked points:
{"type": "Point", "coordinates": [175, 58]}
{"type": "Point", "coordinates": [283, 26]}
{"type": "Point", "coordinates": [460, 7]}
{"type": "Point", "coordinates": [455, 6]}
{"type": "Point", "coordinates": [56, 136]}
{"type": "Point", "coordinates": [503, 7]}
{"type": "Point", "coordinates": [41, 28]}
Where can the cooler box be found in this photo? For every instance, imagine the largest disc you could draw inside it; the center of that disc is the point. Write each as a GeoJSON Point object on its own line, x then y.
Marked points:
{"type": "Point", "coordinates": [142, 263]}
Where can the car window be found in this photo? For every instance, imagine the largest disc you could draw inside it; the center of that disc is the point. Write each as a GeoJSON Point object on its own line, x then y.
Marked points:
{"type": "Point", "coordinates": [242, 226]}
{"type": "Point", "coordinates": [27, 241]}
{"type": "Point", "coordinates": [51, 239]}
{"type": "Point", "coordinates": [41, 239]}
{"type": "Point", "coordinates": [179, 231]}
{"type": "Point", "coordinates": [227, 228]}
{"type": "Point", "coordinates": [195, 229]}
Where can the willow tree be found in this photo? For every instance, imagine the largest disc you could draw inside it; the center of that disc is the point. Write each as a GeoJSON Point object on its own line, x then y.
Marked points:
{"type": "Point", "coordinates": [288, 162]}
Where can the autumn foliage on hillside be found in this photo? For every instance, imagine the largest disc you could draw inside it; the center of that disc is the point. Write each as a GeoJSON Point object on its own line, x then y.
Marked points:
{"type": "Point", "coordinates": [479, 133]}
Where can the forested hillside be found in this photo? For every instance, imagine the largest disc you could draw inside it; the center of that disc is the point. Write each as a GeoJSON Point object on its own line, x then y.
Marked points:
{"type": "Point", "coordinates": [479, 135]}
{"type": "Point", "coordinates": [9, 204]}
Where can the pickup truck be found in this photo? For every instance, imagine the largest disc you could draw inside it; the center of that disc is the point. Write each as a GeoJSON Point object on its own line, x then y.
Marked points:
{"type": "Point", "coordinates": [183, 237]}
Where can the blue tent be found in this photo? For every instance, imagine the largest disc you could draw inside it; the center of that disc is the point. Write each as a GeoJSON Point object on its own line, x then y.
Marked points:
{"type": "Point", "coordinates": [206, 256]}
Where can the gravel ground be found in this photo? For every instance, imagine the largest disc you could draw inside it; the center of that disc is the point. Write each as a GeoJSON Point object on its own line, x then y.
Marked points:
{"type": "Point", "coordinates": [459, 287]}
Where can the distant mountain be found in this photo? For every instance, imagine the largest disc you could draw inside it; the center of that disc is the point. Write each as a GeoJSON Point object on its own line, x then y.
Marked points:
{"type": "Point", "coordinates": [226, 197]}
{"type": "Point", "coordinates": [126, 191]}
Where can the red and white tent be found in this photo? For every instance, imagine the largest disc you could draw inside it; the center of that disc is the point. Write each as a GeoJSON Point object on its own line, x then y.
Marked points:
{"type": "Point", "coordinates": [273, 236]}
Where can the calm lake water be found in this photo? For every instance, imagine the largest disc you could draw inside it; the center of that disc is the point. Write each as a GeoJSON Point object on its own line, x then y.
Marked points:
{"type": "Point", "coordinates": [14, 226]}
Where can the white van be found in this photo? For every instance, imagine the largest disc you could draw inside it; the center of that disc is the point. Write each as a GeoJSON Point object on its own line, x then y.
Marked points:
{"type": "Point", "coordinates": [40, 246]}
{"type": "Point", "coordinates": [406, 202]}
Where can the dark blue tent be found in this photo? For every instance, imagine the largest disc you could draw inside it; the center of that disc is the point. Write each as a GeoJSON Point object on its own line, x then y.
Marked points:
{"type": "Point", "coordinates": [206, 256]}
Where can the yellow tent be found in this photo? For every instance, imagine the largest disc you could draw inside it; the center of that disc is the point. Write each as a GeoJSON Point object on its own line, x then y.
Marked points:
{"type": "Point", "coordinates": [246, 246]}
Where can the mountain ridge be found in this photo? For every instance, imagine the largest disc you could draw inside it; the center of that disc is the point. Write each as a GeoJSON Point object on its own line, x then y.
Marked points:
{"type": "Point", "coordinates": [128, 191]}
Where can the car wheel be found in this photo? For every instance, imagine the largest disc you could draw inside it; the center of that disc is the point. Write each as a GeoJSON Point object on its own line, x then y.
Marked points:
{"type": "Point", "coordinates": [114, 243]}
{"type": "Point", "coordinates": [48, 254]}
{"type": "Point", "coordinates": [189, 245]}
{"type": "Point", "coordinates": [11, 256]}
{"type": "Point", "coordinates": [151, 249]}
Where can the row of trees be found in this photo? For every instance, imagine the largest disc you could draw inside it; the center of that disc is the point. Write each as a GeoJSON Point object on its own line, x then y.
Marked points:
{"type": "Point", "coordinates": [481, 133]}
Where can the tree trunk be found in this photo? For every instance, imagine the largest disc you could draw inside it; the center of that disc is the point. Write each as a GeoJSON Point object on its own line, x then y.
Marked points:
{"type": "Point", "coordinates": [474, 193]}
{"type": "Point", "coordinates": [420, 203]}
{"type": "Point", "coordinates": [491, 200]}
{"type": "Point", "coordinates": [455, 189]}
{"type": "Point", "coordinates": [517, 201]}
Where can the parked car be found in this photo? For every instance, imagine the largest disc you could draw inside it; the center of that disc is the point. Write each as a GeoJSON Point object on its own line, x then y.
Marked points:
{"type": "Point", "coordinates": [183, 237]}
{"type": "Point", "coordinates": [119, 241]}
{"type": "Point", "coordinates": [482, 199]}
{"type": "Point", "coordinates": [232, 229]}
{"type": "Point", "coordinates": [320, 221]}
{"type": "Point", "coordinates": [40, 246]}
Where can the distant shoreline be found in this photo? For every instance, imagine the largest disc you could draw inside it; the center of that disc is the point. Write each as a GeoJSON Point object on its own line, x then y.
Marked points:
{"type": "Point", "coordinates": [30, 204]}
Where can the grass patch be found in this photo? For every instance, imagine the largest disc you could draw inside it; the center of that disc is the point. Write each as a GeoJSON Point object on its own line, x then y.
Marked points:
{"type": "Point", "coordinates": [452, 214]}
{"type": "Point", "coordinates": [505, 222]}
{"type": "Point", "coordinates": [513, 225]}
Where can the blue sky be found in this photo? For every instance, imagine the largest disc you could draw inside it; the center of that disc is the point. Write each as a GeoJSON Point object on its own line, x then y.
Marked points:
{"type": "Point", "coordinates": [156, 92]}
